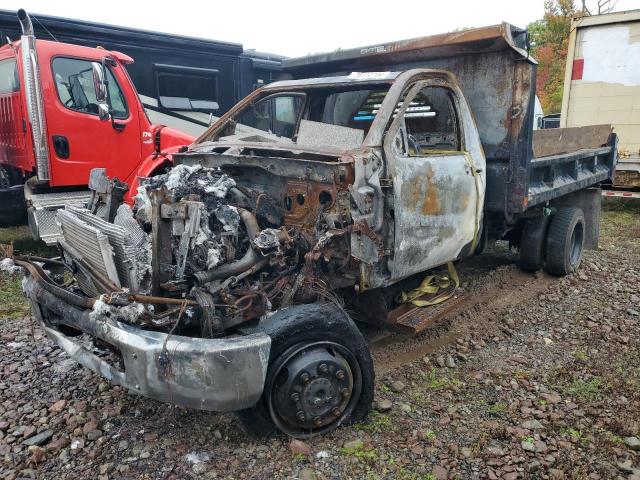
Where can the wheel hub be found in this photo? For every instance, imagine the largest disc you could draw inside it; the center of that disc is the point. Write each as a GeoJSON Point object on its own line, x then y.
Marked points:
{"type": "Point", "coordinates": [313, 387]}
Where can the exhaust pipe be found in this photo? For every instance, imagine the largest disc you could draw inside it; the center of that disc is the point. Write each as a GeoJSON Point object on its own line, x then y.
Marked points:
{"type": "Point", "coordinates": [25, 22]}
{"type": "Point", "coordinates": [33, 95]}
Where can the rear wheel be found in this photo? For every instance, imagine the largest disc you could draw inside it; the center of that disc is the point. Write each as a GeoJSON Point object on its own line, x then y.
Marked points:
{"type": "Point", "coordinates": [565, 241]}
{"type": "Point", "coordinates": [320, 373]}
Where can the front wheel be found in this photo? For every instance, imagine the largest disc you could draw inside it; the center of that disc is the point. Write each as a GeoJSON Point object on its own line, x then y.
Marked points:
{"type": "Point", "coordinates": [320, 373]}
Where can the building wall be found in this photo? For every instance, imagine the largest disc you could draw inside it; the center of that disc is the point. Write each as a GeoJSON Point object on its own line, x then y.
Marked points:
{"type": "Point", "coordinates": [605, 82]}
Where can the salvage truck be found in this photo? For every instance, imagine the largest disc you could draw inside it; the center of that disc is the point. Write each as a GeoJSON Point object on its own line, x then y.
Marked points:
{"type": "Point", "coordinates": [53, 133]}
{"type": "Point", "coordinates": [235, 280]}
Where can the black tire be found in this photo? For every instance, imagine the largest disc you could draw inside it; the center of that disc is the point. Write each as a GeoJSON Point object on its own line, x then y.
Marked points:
{"type": "Point", "coordinates": [300, 329]}
{"type": "Point", "coordinates": [565, 241]}
{"type": "Point", "coordinates": [532, 243]}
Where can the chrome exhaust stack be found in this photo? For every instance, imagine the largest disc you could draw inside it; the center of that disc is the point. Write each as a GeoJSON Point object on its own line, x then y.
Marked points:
{"type": "Point", "coordinates": [33, 93]}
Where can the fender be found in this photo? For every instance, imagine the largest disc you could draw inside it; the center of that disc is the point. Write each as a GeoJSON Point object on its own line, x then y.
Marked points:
{"type": "Point", "coordinates": [150, 165]}
{"type": "Point", "coordinates": [167, 141]}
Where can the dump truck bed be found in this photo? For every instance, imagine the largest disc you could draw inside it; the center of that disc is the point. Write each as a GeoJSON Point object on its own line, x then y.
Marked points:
{"type": "Point", "coordinates": [498, 78]}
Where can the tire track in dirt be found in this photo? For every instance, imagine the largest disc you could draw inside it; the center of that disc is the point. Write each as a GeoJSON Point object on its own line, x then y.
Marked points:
{"type": "Point", "coordinates": [480, 312]}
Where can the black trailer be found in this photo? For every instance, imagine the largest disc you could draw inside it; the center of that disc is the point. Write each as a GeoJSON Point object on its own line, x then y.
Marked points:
{"type": "Point", "coordinates": [193, 76]}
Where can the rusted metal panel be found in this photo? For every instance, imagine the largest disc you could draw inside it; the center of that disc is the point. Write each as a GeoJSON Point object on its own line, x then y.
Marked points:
{"type": "Point", "coordinates": [553, 141]}
{"type": "Point", "coordinates": [475, 40]}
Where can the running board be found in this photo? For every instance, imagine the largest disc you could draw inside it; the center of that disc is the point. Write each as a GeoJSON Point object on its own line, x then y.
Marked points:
{"type": "Point", "coordinates": [43, 210]}
{"type": "Point", "coordinates": [413, 320]}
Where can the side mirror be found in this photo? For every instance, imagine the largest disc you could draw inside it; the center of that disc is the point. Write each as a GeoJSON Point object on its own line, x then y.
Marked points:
{"type": "Point", "coordinates": [100, 87]}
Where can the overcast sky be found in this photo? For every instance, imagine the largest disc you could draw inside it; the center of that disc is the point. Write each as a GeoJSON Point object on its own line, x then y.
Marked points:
{"type": "Point", "coordinates": [295, 28]}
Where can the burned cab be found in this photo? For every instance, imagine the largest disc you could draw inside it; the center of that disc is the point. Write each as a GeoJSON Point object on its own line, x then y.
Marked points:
{"type": "Point", "coordinates": [224, 286]}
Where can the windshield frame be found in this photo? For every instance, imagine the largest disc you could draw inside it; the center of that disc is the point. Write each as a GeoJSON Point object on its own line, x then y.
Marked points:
{"type": "Point", "coordinates": [212, 134]}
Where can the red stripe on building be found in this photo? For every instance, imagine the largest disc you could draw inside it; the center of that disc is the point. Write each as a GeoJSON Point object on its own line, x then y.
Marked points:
{"type": "Point", "coordinates": [578, 68]}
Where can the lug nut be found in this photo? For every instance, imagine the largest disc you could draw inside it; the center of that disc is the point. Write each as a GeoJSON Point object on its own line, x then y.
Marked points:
{"type": "Point", "coordinates": [345, 392]}
{"type": "Point", "coordinates": [305, 377]}
{"type": "Point", "coordinates": [295, 396]}
{"type": "Point", "coordinates": [317, 421]}
{"type": "Point", "coordinates": [301, 416]}
{"type": "Point", "coordinates": [340, 375]}
{"type": "Point", "coordinates": [336, 411]}
{"type": "Point", "coordinates": [323, 369]}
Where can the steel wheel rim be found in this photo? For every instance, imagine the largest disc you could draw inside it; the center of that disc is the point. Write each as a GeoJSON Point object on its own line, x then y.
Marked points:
{"type": "Point", "coordinates": [576, 244]}
{"type": "Point", "coordinates": [278, 395]}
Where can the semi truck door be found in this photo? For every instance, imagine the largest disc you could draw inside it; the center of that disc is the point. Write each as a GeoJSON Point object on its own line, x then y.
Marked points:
{"type": "Point", "coordinates": [435, 186]}
{"type": "Point", "coordinates": [78, 140]}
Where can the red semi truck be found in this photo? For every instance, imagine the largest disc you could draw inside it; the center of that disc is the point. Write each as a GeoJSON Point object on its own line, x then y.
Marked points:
{"type": "Point", "coordinates": [64, 110]}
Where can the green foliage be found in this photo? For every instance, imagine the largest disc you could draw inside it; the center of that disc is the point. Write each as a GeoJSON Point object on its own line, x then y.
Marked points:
{"type": "Point", "coordinates": [377, 423]}
{"type": "Point", "coordinates": [434, 382]}
{"type": "Point", "coordinates": [580, 355]}
{"type": "Point", "coordinates": [359, 452]}
{"type": "Point", "coordinates": [13, 303]}
{"type": "Point", "coordinates": [549, 39]}
{"type": "Point", "coordinates": [585, 390]}
{"type": "Point", "coordinates": [429, 435]}
{"type": "Point", "coordinates": [497, 408]}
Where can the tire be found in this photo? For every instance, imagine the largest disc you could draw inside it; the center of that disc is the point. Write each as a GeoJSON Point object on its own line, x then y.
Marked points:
{"type": "Point", "coordinates": [532, 244]}
{"type": "Point", "coordinates": [565, 241]}
{"type": "Point", "coordinates": [321, 341]}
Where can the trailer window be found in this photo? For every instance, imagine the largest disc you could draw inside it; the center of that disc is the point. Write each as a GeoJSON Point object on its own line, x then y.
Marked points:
{"type": "Point", "coordinates": [188, 91]}
{"type": "Point", "coordinates": [9, 81]}
{"type": "Point", "coordinates": [431, 122]}
{"type": "Point", "coordinates": [74, 82]}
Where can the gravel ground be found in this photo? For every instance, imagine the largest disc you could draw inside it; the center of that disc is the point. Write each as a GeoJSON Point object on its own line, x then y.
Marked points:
{"type": "Point", "coordinates": [538, 377]}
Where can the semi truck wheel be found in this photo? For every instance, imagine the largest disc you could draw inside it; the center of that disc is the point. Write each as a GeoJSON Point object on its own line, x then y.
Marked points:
{"type": "Point", "coordinates": [532, 243]}
{"type": "Point", "coordinates": [565, 241]}
{"type": "Point", "coordinates": [320, 373]}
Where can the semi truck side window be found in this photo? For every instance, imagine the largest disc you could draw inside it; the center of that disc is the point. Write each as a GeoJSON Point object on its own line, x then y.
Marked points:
{"type": "Point", "coordinates": [74, 83]}
{"type": "Point", "coordinates": [187, 89]}
{"type": "Point", "coordinates": [9, 81]}
{"type": "Point", "coordinates": [431, 122]}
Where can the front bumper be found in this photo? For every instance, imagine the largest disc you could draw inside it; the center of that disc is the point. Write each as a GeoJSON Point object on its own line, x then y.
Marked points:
{"type": "Point", "coordinates": [209, 374]}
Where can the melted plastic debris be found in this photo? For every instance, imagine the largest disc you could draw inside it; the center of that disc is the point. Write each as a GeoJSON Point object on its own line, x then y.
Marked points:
{"type": "Point", "coordinates": [178, 175]}
{"type": "Point", "coordinates": [7, 266]}
{"type": "Point", "coordinates": [142, 204]}
{"type": "Point", "coordinates": [267, 239]}
{"type": "Point", "coordinates": [214, 257]}
{"type": "Point", "coordinates": [183, 180]}
{"type": "Point", "coordinates": [128, 314]}
{"type": "Point", "coordinates": [197, 457]}
{"type": "Point", "coordinates": [229, 217]}
{"type": "Point", "coordinates": [221, 186]}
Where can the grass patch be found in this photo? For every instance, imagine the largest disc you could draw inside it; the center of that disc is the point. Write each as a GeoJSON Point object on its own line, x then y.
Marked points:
{"type": "Point", "coordinates": [13, 303]}
{"type": "Point", "coordinates": [378, 423]}
{"type": "Point", "coordinates": [612, 438]}
{"type": "Point", "coordinates": [585, 390]}
{"type": "Point", "coordinates": [435, 383]}
{"type": "Point", "coordinates": [429, 435]}
{"type": "Point", "coordinates": [360, 453]}
{"type": "Point", "coordinates": [580, 355]}
{"type": "Point", "coordinates": [23, 243]}
{"type": "Point", "coordinates": [497, 408]}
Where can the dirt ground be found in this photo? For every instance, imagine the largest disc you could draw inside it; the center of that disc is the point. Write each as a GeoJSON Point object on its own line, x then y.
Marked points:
{"type": "Point", "coordinates": [536, 377]}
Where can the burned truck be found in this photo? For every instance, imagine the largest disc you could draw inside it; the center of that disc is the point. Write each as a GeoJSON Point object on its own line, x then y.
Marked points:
{"type": "Point", "coordinates": [233, 282]}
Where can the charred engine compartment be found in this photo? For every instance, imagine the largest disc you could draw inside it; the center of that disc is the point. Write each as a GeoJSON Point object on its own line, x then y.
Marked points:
{"type": "Point", "coordinates": [206, 249]}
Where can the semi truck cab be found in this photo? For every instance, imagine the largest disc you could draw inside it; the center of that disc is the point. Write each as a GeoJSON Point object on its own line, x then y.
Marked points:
{"type": "Point", "coordinates": [65, 110]}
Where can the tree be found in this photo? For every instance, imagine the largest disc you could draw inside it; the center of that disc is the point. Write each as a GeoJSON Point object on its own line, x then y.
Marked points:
{"type": "Point", "coordinates": [549, 40]}
{"type": "Point", "coordinates": [602, 6]}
